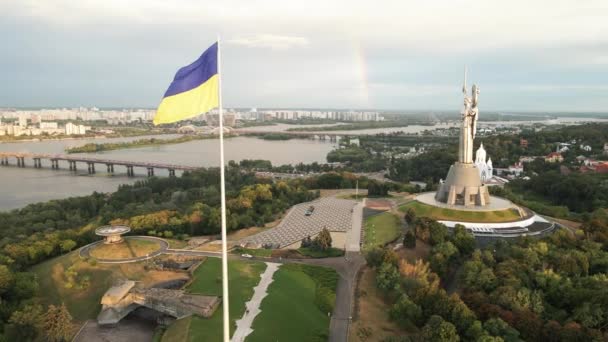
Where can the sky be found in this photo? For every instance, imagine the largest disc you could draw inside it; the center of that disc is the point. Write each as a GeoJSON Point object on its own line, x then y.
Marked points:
{"type": "Point", "coordinates": [542, 55]}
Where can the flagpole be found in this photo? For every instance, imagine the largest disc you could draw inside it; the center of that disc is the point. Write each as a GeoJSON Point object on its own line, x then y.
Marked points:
{"type": "Point", "coordinates": [223, 195]}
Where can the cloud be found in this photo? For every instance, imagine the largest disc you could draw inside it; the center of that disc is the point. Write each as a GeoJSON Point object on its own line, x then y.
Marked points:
{"type": "Point", "coordinates": [271, 41]}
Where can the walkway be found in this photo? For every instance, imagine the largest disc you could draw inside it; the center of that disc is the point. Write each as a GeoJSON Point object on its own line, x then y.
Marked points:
{"type": "Point", "coordinates": [353, 235]}
{"type": "Point", "coordinates": [243, 325]}
{"type": "Point", "coordinates": [85, 252]}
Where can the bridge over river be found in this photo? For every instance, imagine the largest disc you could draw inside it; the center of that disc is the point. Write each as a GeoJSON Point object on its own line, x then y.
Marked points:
{"type": "Point", "coordinates": [20, 159]}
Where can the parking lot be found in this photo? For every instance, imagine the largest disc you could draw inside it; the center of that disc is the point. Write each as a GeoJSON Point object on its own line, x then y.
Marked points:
{"type": "Point", "coordinates": [333, 213]}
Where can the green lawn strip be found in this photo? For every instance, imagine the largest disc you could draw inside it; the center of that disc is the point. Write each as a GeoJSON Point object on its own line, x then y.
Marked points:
{"type": "Point", "coordinates": [243, 276]}
{"type": "Point", "coordinates": [314, 253]}
{"type": "Point", "coordinates": [381, 229]}
{"type": "Point", "coordinates": [290, 311]}
{"type": "Point", "coordinates": [178, 331]}
{"type": "Point", "coordinates": [83, 304]}
{"type": "Point", "coordinates": [437, 213]}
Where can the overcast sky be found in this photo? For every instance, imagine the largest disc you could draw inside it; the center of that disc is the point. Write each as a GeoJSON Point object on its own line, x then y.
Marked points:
{"type": "Point", "coordinates": [541, 55]}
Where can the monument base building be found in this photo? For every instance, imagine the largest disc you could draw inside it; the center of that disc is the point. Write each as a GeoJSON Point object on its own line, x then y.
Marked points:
{"type": "Point", "coordinates": [463, 187]}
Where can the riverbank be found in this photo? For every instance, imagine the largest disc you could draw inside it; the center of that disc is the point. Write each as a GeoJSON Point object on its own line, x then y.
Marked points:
{"type": "Point", "coordinates": [353, 126]}
{"type": "Point", "coordinates": [93, 147]}
{"type": "Point", "coordinates": [43, 138]}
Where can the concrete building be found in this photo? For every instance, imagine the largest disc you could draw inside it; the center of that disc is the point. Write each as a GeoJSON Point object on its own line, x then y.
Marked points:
{"type": "Point", "coordinates": [73, 129]}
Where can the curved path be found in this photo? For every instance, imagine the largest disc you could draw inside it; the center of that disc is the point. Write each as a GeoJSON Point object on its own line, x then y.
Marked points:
{"type": "Point", "coordinates": [85, 252]}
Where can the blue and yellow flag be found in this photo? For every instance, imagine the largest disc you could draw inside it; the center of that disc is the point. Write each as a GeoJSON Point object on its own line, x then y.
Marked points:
{"type": "Point", "coordinates": [194, 90]}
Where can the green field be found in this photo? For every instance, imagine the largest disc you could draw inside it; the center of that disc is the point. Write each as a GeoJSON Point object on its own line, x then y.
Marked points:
{"type": "Point", "coordinates": [243, 276]}
{"type": "Point", "coordinates": [289, 312]}
{"type": "Point", "coordinates": [84, 302]}
{"type": "Point", "coordinates": [381, 229]}
{"type": "Point", "coordinates": [437, 213]}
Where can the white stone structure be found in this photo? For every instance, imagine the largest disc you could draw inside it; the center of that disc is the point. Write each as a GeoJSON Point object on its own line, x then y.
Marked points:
{"type": "Point", "coordinates": [484, 166]}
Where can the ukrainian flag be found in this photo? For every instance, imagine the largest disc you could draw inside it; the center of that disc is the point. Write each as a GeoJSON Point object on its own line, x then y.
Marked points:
{"type": "Point", "coordinates": [194, 90]}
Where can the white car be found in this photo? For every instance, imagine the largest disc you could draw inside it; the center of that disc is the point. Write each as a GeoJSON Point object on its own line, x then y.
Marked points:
{"type": "Point", "coordinates": [248, 256]}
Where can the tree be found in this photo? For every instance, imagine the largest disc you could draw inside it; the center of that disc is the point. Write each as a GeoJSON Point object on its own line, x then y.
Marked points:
{"type": "Point", "coordinates": [323, 240]}
{"type": "Point", "coordinates": [410, 216]}
{"type": "Point", "coordinates": [6, 279]}
{"type": "Point", "coordinates": [498, 327]}
{"type": "Point", "coordinates": [439, 330]}
{"type": "Point", "coordinates": [409, 240]}
{"type": "Point", "coordinates": [67, 245]}
{"type": "Point", "coordinates": [26, 323]}
{"type": "Point", "coordinates": [306, 242]}
{"type": "Point", "coordinates": [464, 240]}
{"type": "Point", "coordinates": [57, 323]}
{"type": "Point", "coordinates": [387, 277]}
{"type": "Point", "coordinates": [406, 312]}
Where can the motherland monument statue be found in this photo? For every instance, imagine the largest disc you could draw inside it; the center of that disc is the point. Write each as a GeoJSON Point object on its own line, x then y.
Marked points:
{"type": "Point", "coordinates": [463, 184]}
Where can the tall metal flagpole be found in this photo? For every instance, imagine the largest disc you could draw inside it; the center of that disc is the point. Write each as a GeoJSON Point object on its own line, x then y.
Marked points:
{"type": "Point", "coordinates": [223, 195]}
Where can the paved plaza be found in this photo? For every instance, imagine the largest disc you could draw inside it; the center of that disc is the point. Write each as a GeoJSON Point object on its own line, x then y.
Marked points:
{"type": "Point", "coordinates": [333, 213]}
{"type": "Point", "coordinates": [496, 203]}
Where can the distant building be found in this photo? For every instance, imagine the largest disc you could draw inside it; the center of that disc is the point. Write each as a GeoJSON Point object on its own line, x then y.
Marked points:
{"type": "Point", "coordinates": [22, 121]}
{"type": "Point", "coordinates": [73, 129]}
{"type": "Point", "coordinates": [586, 148]}
{"type": "Point", "coordinates": [517, 169]}
{"type": "Point", "coordinates": [213, 119]}
{"type": "Point", "coordinates": [48, 125]}
{"type": "Point", "coordinates": [523, 143]}
{"type": "Point", "coordinates": [485, 167]}
{"type": "Point", "coordinates": [554, 157]}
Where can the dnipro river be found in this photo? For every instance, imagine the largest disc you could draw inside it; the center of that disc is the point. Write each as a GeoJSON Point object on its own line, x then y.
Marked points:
{"type": "Point", "coordinates": [21, 186]}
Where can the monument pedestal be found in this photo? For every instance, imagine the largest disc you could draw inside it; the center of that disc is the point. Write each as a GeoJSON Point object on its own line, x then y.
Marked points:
{"type": "Point", "coordinates": [463, 187]}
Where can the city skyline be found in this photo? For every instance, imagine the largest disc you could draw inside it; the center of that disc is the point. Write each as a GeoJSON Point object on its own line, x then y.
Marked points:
{"type": "Point", "coordinates": [550, 57]}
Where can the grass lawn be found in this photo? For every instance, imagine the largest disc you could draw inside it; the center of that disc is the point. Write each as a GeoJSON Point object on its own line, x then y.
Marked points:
{"type": "Point", "coordinates": [243, 276]}
{"type": "Point", "coordinates": [381, 229]}
{"type": "Point", "coordinates": [289, 312]}
{"type": "Point", "coordinates": [437, 213]}
{"type": "Point", "coordinates": [129, 248]}
{"type": "Point", "coordinates": [84, 303]}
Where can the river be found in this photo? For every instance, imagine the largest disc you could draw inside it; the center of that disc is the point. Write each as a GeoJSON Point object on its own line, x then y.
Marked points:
{"type": "Point", "coordinates": [21, 186]}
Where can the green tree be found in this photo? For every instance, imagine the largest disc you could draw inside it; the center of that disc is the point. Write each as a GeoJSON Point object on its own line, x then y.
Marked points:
{"type": "Point", "coordinates": [26, 322]}
{"type": "Point", "coordinates": [464, 241]}
{"type": "Point", "coordinates": [67, 245]}
{"type": "Point", "coordinates": [387, 277]}
{"type": "Point", "coordinates": [57, 323]}
{"type": "Point", "coordinates": [498, 327]}
{"type": "Point", "coordinates": [6, 279]}
{"type": "Point", "coordinates": [409, 240]}
{"type": "Point", "coordinates": [406, 312]}
{"type": "Point", "coordinates": [439, 330]}
{"type": "Point", "coordinates": [410, 216]}
{"type": "Point", "coordinates": [323, 240]}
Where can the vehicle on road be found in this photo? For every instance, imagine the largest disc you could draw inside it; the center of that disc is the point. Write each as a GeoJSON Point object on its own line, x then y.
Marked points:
{"type": "Point", "coordinates": [248, 256]}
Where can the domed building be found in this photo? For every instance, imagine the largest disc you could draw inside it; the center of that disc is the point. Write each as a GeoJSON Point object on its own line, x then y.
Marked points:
{"type": "Point", "coordinates": [484, 166]}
